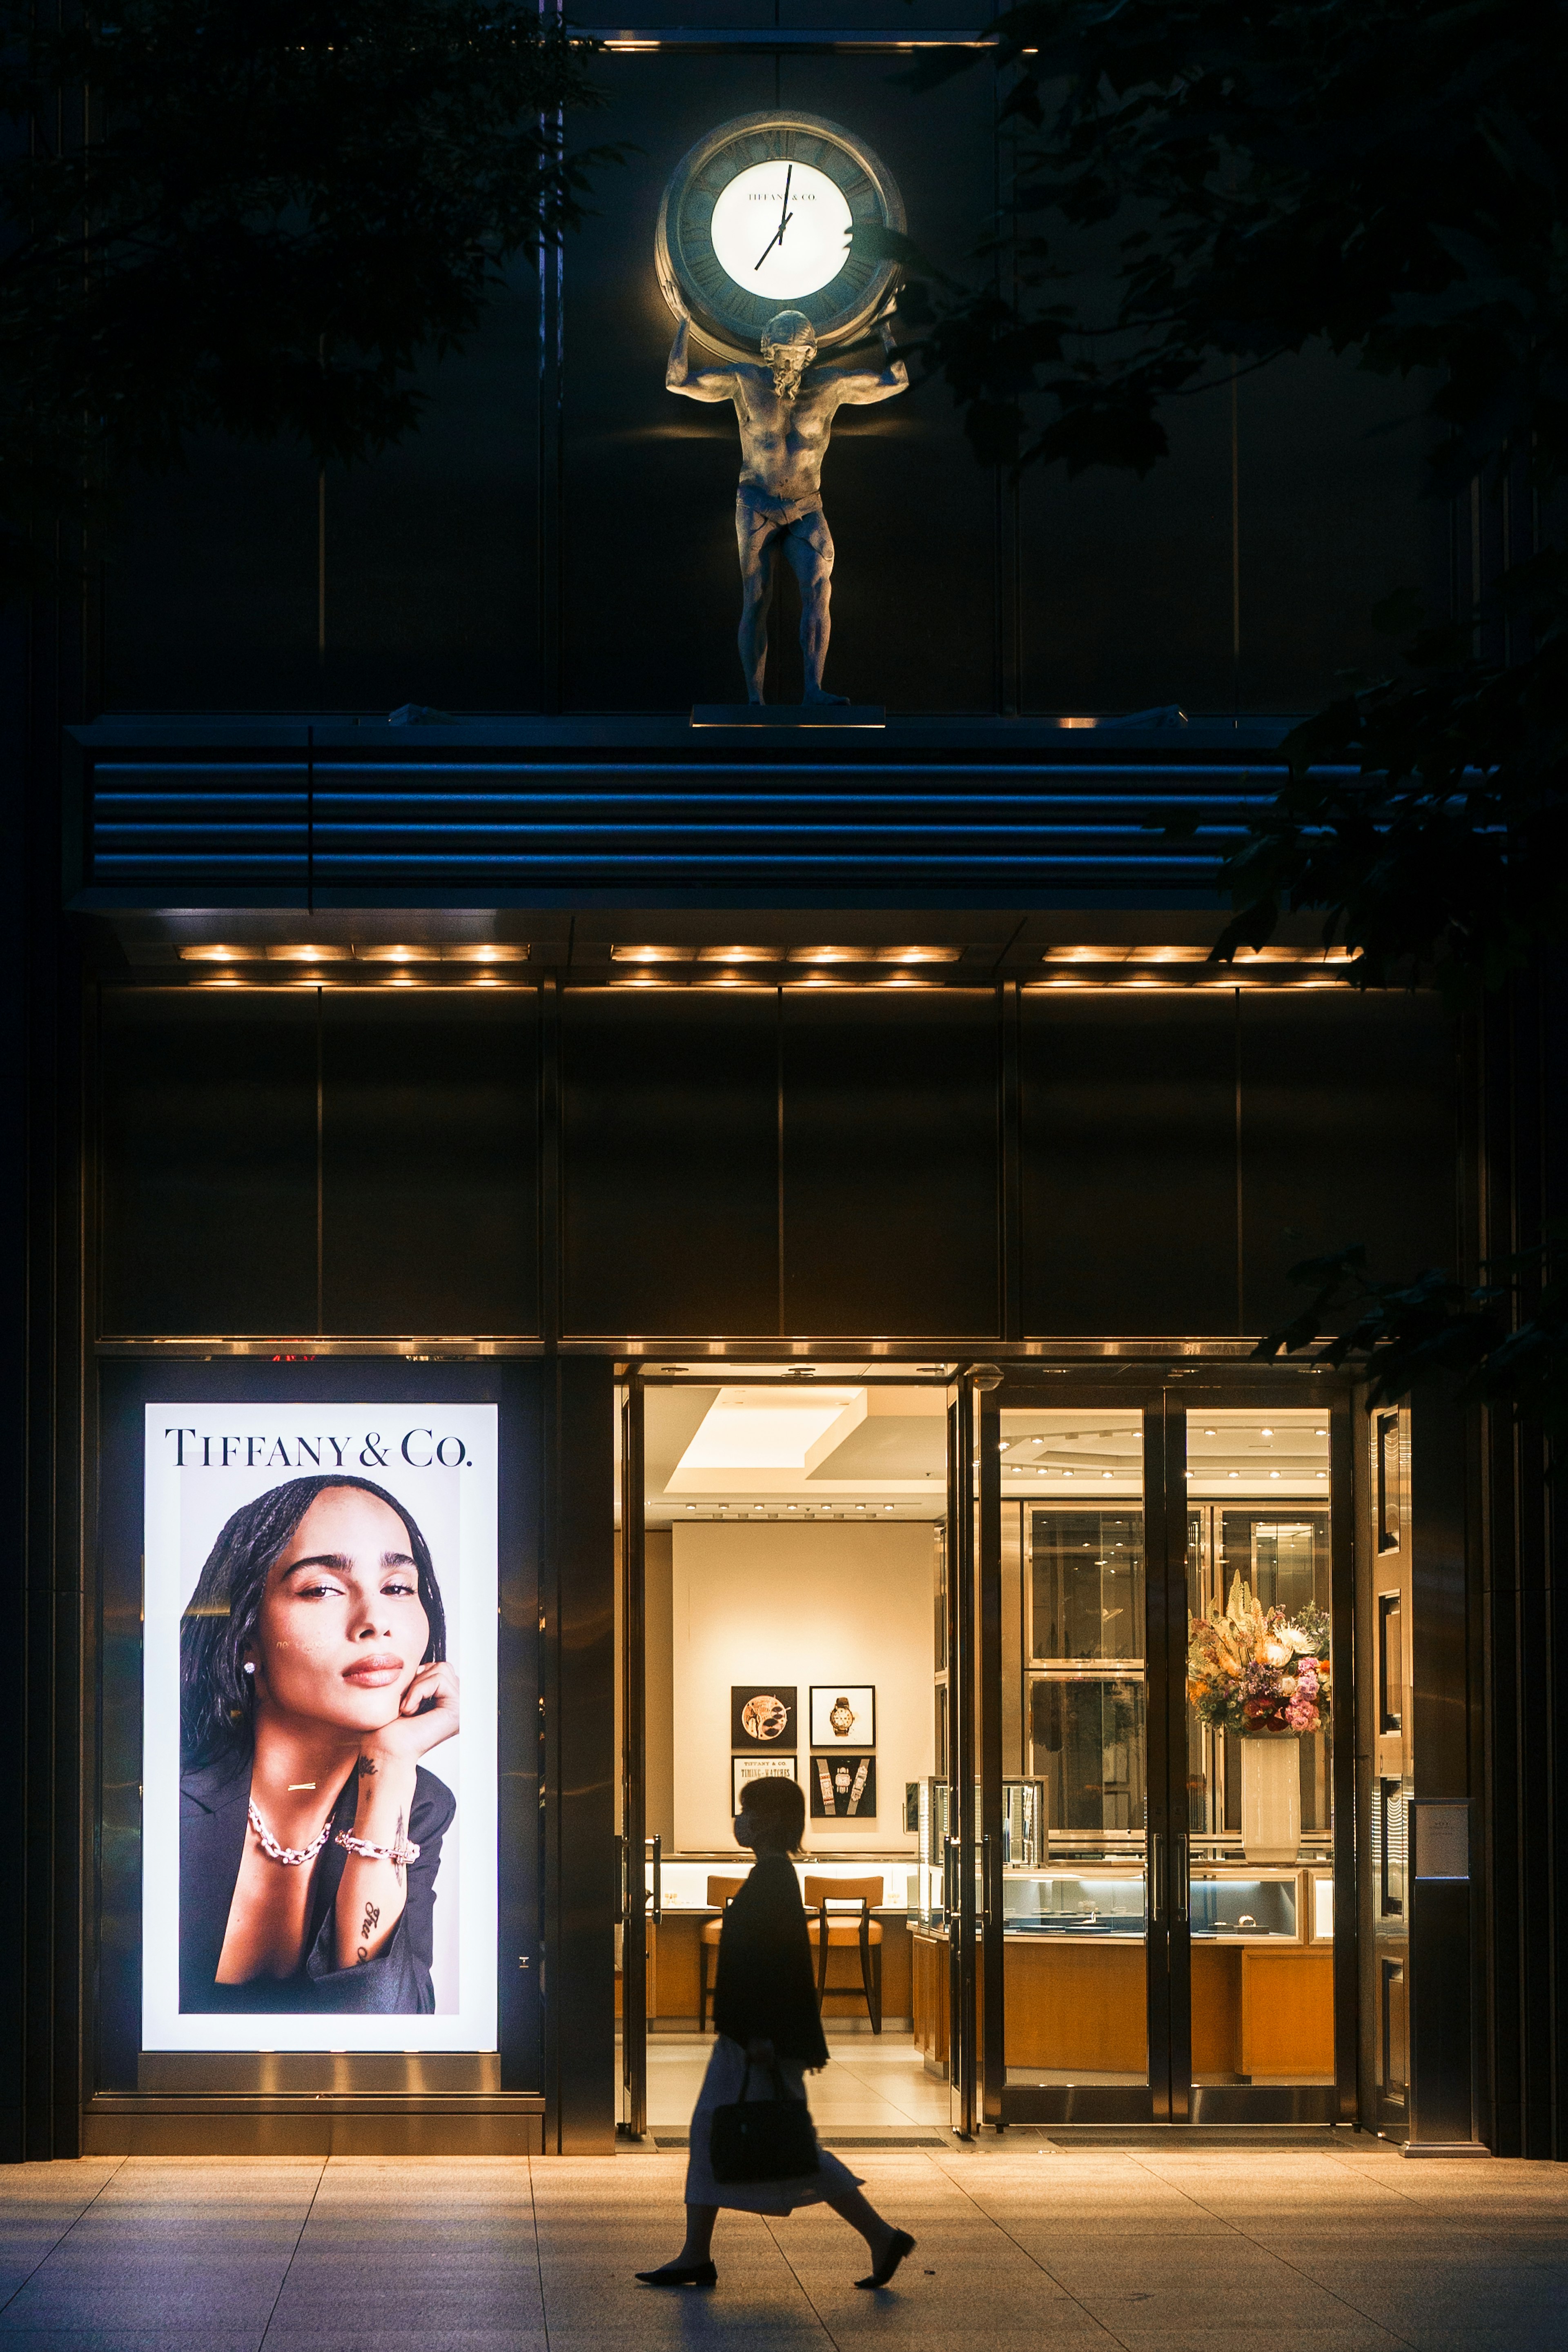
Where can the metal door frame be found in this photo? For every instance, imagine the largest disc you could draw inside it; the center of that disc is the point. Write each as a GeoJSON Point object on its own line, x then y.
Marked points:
{"type": "Point", "coordinates": [1165, 1398]}
{"type": "Point", "coordinates": [633, 2123]}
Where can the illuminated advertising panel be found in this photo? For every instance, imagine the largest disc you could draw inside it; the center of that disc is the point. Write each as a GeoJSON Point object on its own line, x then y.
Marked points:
{"type": "Point", "coordinates": [319, 1796]}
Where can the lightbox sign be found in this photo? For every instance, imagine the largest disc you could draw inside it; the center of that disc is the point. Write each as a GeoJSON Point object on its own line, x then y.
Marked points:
{"type": "Point", "coordinates": [319, 1841]}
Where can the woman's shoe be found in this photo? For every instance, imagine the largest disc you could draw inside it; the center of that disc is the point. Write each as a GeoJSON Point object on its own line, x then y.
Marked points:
{"type": "Point", "coordinates": [901, 2244]}
{"type": "Point", "coordinates": [686, 2274]}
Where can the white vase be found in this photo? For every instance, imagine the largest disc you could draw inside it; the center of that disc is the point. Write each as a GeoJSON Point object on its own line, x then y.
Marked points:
{"type": "Point", "coordinates": [1271, 1798]}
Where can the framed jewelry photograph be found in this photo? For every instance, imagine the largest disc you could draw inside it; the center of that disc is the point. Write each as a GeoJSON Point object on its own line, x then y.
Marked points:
{"type": "Point", "coordinates": [843, 1788]}
{"type": "Point", "coordinates": [762, 1715]}
{"type": "Point", "coordinates": [843, 1714]}
{"type": "Point", "coordinates": [746, 1769]}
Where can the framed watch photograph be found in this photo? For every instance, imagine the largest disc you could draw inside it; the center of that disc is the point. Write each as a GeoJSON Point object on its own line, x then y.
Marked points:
{"type": "Point", "coordinates": [842, 1788]}
{"type": "Point", "coordinates": [762, 1715]}
{"type": "Point", "coordinates": [744, 1769]}
{"type": "Point", "coordinates": [843, 1714]}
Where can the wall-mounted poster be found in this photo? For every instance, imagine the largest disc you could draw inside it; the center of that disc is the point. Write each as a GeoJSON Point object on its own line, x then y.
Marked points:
{"type": "Point", "coordinates": [744, 1768]}
{"type": "Point", "coordinates": [843, 1788]}
{"type": "Point", "coordinates": [843, 1714]}
{"type": "Point", "coordinates": [319, 1845]}
{"type": "Point", "coordinates": [761, 1715]}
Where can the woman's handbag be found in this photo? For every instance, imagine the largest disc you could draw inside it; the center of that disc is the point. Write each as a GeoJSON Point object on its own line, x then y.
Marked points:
{"type": "Point", "coordinates": [763, 2139]}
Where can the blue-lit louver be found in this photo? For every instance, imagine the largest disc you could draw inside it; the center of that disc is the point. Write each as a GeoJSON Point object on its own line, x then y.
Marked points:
{"type": "Point", "coordinates": [157, 824]}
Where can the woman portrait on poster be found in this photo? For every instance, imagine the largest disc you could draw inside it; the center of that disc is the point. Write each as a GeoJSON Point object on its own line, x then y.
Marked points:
{"type": "Point", "coordinates": [313, 1682]}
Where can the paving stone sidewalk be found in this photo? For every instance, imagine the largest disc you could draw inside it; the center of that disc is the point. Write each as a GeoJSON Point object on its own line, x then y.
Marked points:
{"type": "Point", "coordinates": [1025, 2247]}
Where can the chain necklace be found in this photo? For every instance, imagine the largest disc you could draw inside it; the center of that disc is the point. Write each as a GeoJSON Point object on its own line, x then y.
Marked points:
{"type": "Point", "coordinates": [293, 1855]}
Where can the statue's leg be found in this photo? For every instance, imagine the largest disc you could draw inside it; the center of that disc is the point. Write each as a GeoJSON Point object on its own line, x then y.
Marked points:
{"type": "Point", "coordinates": [809, 546]}
{"type": "Point", "coordinates": [754, 538]}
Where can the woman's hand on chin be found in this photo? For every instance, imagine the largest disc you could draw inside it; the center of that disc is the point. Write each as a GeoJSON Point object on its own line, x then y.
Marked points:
{"type": "Point", "coordinates": [427, 1716]}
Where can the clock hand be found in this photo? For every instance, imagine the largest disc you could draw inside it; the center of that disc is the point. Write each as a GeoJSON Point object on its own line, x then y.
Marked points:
{"type": "Point", "coordinates": [786, 216]}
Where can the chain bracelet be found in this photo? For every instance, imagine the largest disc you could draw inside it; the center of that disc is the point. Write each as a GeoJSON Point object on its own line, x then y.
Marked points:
{"type": "Point", "coordinates": [400, 1853]}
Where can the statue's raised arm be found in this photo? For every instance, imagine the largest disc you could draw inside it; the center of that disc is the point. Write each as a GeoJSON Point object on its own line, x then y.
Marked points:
{"type": "Point", "coordinates": [705, 384]}
{"type": "Point", "coordinates": [863, 387]}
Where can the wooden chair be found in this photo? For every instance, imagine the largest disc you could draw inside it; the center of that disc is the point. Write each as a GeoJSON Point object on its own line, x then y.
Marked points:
{"type": "Point", "coordinates": [720, 1891]}
{"type": "Point", "coordinates": [839, 1930]}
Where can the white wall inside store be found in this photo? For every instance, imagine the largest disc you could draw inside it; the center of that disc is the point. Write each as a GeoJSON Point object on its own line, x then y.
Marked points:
{"type": "Point", "coordinates": [658, 1714]}
{"type": "Point", "coordinates": [798, 1605]}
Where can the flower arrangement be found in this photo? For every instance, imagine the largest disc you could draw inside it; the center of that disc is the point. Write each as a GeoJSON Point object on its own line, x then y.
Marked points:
{"type": "Point", "coordinates": [1257, 1670]}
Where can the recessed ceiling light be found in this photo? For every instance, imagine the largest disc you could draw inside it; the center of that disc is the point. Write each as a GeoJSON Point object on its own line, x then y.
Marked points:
{"type": "Point", "coordinates": [1067, 1473]}
{"type": "Point", "coordinates": [1106, 1473]}
{"type": "Point", "coordinates": [1266, 1432]}
{"type": "Point", "coordinates": [1211, 1432]}
{"type": "Point", "coordinates": [1321, 1474]}
{"type": "Point", "coordinates": [1233, 1474]}
{"type": "Point", "coordinates": [1274, 1474]}
{"type": "Point", "coordinates": [1319, 1432]}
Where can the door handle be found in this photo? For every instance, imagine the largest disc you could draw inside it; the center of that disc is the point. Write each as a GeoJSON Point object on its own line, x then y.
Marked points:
{"type": "Point", "coordinates": [986, 1876]}
{"type": "Point", "coordinates": [620, 1882]}
{"type": "Point", "coordinates": [1156, 1878]}
{"type": "Point", "coordinates": [656, 1841]}
{"type": "Point", "coordinates": [1179, 1873]}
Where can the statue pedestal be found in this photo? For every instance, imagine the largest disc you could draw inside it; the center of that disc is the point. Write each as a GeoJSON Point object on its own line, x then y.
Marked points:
{"type": "Point", "coordinates": [788, 715]}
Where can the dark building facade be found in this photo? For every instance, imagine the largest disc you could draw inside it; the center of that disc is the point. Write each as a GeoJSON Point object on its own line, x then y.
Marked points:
{"type": "Point", "coordinates": [563, 1063]}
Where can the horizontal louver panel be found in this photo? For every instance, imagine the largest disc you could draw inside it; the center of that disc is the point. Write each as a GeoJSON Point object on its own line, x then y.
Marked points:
{"type": "Point", "coordinates": [156, 824]}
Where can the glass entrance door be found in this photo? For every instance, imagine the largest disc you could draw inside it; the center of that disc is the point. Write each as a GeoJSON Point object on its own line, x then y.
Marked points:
{"type": "Point", "coordinates": [1070, 1751]}
{"type": "Point", "coordinates": [1269, 1753]}
{"type": "Point", "coordinates": [632, 1807]}
{"type": "Point", "coordinates": [1154, 1907]}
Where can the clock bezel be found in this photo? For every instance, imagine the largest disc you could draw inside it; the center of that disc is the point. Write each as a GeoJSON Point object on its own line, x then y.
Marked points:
{"type": "Point", "coordinates": [723, 317]}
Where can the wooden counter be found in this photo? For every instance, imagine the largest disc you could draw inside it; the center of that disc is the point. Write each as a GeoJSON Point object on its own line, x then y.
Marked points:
{"type": "Point", "coordinates": [1079, 2005]}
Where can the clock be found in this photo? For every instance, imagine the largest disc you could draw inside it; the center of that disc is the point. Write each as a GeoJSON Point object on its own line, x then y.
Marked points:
{"type": "Point", "coordinates": [757, 219]}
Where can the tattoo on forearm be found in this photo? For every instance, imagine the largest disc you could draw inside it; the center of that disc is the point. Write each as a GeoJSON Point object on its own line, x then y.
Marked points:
{"type": "Point", "coordinates": [367, 1927]}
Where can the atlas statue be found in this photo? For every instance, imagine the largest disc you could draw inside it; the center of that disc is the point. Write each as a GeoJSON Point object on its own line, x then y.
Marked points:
{"type": "Point", "coordinates": [785, 409]}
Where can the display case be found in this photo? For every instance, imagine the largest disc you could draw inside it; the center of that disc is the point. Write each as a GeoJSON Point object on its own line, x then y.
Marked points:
{"type": "Point", "coordinates": [1024, 1840]}
{"type": "Point", "coordinates": [1088, 1902]}
{"type": "Point", "coordinates": [1231, 1903]}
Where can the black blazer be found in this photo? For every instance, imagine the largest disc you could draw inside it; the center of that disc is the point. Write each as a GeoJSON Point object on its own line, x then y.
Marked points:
{"type": "Point", "coordinates": [764, 1987]}
{"type": "Point", "coordinates": [212, 1820]}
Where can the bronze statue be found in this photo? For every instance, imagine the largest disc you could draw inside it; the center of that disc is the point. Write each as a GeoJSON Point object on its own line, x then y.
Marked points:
{"type": "Point", "coordinates": [785, 408]}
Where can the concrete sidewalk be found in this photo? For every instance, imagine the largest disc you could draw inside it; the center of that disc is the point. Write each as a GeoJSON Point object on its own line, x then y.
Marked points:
{"type": "Point", "coordinates": [1022, 2245]}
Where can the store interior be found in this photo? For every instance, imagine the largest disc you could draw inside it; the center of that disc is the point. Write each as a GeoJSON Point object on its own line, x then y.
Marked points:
{"type": "Point", "coordinates": [794, 1547]}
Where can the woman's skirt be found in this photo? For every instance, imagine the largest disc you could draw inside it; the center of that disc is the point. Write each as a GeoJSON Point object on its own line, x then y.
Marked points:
{"type": "Point", "coordinates": [722, 2086]}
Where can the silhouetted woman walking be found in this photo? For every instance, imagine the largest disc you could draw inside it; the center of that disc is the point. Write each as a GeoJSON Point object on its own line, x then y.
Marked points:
{"type": "Point", "coordinates": [766, 2012]}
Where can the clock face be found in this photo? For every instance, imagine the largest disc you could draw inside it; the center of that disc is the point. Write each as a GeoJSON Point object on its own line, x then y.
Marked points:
{"type": "Point", "coordinates": [781, 229]}
{"type": "Point", "coordinates": [759, 217]}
